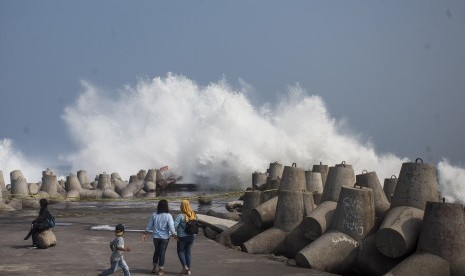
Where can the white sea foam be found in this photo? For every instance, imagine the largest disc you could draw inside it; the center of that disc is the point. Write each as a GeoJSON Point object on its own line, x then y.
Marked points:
{"type": "Point", "coordinates": [209, 133]}
{"type": "Point", "coordinates": [103, 227]}
{"type": "Point", "coordinates": [13, 159]}
{"type": "Point", "coordinates": [213, 135]}
{"type": "Point", "coordinates": [106, 227]}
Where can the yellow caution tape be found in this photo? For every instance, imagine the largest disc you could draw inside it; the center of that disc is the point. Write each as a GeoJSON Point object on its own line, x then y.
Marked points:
{"type": "Point", "coordinates": [131, 199]}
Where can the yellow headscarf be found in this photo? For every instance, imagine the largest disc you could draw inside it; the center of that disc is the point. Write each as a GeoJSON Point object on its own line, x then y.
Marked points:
{"type": "Point", "coordinates": [186, 210]}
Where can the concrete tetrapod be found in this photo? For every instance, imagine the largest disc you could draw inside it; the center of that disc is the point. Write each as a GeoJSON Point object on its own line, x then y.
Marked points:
{"type": "Point", "coordinates": [421, 264]}
{"type": "Point", "coordinates": [389, 187]}
{"type": "Point", "coordinates": [161, 180]}
{"type": "Point", "coordinates": [72, 183]}
{"type": "Point", "coordinates": [336, 251]}
{"type": "Point", "coordinates": [150, 186]}
{"type": "Point", "coordinates": [289, 210]}
{"type": "Point", "coordinates": [2, 188]}
{"type": "Point", "coordinates": [370, 261]}
{"type": "Point", "coordinates": [416, 185]}
{"type": "Point", "coordinates": [315, 224]}
{"type": "Point", "coordinates": [134, 178]}
{"type": "Point", "coordinates": [119, 185]}
{"type": "Point", "coordinates": [49, 182]}
{"type": "Point", "coordinates": [132, 188]}
{"type": "Point", "coordinates": [2, 183]}
{"type": "Point", "coordinates": [289, 214]}
{"type": "Point", "coordinates": [309, 203]}
{"type": "Point", "coordinates": [224, 237]}
{"type": "Point", "coordinates": [19, 186]}
{"type": "Point", "coordinates": [266, 242]}
{"type": "Point", "coordinates": [338, 176]}
{"type": "Point", "coordinates": [258, 180]}
{"type": "Point", "coordinates": [269, 194]}
{"type": "Point", "coordinates": [370, 180]}
{"type": "Point", "coordinates": [443, 234]}
{"type": "Point", "coordinates": [115, 175]}
{"type": "Point", "coordinates": [263, 215]}
{"type": "Point", "coordinates": [355, 212]}
{"type": "Point", "coordinates": [109, 193]}
{"type": "Point", "coordinates": [399, 231]}
{"type": "Point", "coordinates": [150, 181]}
{"type": "Point", "coordinates": [293, 243]}
{"type": "Point", "coordinates": [33, 188]}
{"type": "Point", "coordinates": [293, 179]}
{"type": "Point", "coordinates": [15, 174]}
{"type": "Point", "coordinates": [104, 182]}
{"type": "Point", "coordinates": [251, 200]}
{"type": "Point", "coordinates": [242, 232]}
{"type": "Point", "coordinates": [323, 170]}
{"type": "Point", "coordinates": [141, 175]}
{"type": "Point", "coordinates": [73, 195]}
{"type": "Point", "coordinates": [83, 180]}
{"type": "Point", "coordinates": [319, 220]}
{"type": "Point", "coordinates": [275, 171]}
{"type": "Point", "coordinates": [246, 229]}
{"type": "Point", "coordinates": [270, 189]}
{"type": "Point", "coordinates": [90, 194]}
{"type": "Point", "coordinates": [314, 184]}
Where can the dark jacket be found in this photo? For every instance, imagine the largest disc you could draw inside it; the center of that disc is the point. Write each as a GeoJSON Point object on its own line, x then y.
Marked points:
{"type": "Point", "coordinates": [41, 222]}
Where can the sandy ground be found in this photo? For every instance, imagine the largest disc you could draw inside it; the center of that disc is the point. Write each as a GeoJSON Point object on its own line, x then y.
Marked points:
{"type": "Point", "coordinates": [82, 251]}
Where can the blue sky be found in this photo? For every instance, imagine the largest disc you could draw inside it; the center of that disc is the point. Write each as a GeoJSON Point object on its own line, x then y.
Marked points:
{"type": "Point", "coordinates": [394, 70]}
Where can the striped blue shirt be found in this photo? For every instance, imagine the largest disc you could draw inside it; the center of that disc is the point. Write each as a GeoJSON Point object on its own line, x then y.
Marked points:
{"type": "Point", "coordinates": [162, 225]}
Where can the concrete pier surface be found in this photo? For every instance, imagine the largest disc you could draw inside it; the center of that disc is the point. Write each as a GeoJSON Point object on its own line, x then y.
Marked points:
{"type": "Point", "coordinates": [81, 250]}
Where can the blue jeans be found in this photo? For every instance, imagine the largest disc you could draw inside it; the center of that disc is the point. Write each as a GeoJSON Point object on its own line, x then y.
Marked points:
{"type": "Point", "coordinates": [160, 249]}
{"type": "Point", "coordinates": [184, 247]}
{"type": "Point", "coordinates": [114, 266]}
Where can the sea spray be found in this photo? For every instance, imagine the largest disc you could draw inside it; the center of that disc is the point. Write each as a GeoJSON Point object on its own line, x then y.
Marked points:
{"type": "Point", "coordinates": [13, 159]}
{"type": "Point", "coordinates": [210, 135]}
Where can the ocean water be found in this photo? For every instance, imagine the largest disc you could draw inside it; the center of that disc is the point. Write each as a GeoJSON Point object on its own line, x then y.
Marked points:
{"type": "Point", "coordinates": [219, 201]}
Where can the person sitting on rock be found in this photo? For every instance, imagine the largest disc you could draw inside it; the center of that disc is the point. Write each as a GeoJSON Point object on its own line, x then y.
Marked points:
{"type": "Point", "coordinates": [41, 223]}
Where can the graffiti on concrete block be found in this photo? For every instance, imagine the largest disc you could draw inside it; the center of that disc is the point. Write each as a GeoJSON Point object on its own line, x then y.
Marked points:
{"type": "Point", "coordinates": [352, 222]}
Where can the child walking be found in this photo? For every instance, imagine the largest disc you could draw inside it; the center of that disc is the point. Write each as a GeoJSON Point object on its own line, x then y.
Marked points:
{"type": "Point", "coordinates": [117, 247]}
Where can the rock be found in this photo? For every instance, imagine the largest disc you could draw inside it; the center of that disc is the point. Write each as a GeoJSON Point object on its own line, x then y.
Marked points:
{"type": "Point", "coordinates": [204, 199]}
{"type": "Point", "coordinates": [234, 206]}
{"type": "Point", "coordinates": [45, 239]}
